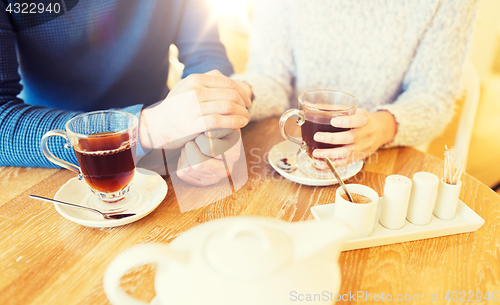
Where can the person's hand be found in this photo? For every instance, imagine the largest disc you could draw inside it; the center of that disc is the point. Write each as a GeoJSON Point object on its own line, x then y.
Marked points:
{"type": "Point", "coordinates": [197, 164]}
{"type": "Point", "coordinates": [369, 132]}
{"type": "Point", "coordinates": [248, 89]}
{"type": "Point", "coordinates": [214, 86]}
{"type": "Point", "coordinates": [198, 103]}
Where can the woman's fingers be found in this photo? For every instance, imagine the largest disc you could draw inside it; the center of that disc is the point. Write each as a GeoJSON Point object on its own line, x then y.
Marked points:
{"type": "Point", "coordinates": [363, 145]}
{"type": "Point", "coordinates": [362, 140]}
{"type": "Point", "coordinates": [344, 137]}
{"type": "Point", "coordinates": [359, 119]}
{"type": "Point", "coordinates": [358, 122]}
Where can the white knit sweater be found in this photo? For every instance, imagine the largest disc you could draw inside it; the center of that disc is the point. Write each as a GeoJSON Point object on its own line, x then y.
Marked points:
{"type": "Point", "coordinates": [404, 56]}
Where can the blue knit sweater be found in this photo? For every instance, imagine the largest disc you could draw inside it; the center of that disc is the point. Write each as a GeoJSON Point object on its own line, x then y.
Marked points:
{"type": "Point", "coordinates": [95, 55]}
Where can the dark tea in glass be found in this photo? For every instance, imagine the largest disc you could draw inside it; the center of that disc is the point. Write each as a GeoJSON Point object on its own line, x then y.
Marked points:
{"type": "Point", "coordinates": [107, 160]}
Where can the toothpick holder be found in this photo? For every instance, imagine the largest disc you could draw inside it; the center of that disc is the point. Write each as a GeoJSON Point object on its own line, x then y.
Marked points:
{"type": "Point", "coordinates": [447, 200]}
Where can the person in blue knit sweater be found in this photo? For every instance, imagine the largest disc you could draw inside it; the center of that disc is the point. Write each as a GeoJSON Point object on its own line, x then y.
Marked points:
{"type": "Point", "coordinates": [109, 54]}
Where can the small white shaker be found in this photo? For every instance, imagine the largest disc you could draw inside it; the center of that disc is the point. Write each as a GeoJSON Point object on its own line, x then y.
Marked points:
{"type": "Point", "coordinates": [397, 192]}
{"type": "Point", "coordinates": [447, 200]}
{"type": "Point", "coordinates": [423, 198]}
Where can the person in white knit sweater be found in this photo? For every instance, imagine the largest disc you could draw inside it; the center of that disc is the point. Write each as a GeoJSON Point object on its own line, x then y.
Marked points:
{"type": "Point", "coordinates": [402, 59]}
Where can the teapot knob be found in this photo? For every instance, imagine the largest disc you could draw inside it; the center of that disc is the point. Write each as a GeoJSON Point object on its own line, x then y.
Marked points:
{"type": "Point", "coordinates": [248, 249]}
{"type": "Point", "coordinates": [241, 228]}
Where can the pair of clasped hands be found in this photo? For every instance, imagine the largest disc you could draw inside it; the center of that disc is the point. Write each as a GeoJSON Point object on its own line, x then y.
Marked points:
{"type": "Point", "coordinates": [202, 115]}
{"type": "Point", "coordinates": [206, 122]}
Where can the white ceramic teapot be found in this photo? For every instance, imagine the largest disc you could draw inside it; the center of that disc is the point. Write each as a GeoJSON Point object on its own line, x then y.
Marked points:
{"type": "Point", "coordinates": [239, 260]}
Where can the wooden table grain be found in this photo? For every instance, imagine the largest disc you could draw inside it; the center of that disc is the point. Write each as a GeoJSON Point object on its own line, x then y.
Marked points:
{"type": "Point", "coordinates": [46, 259]}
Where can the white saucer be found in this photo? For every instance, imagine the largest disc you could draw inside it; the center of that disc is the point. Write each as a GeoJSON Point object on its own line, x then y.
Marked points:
{"type": "Point", "coordinates": [287, 149]}
{"type": "Point", "coordinates": [148, 190]}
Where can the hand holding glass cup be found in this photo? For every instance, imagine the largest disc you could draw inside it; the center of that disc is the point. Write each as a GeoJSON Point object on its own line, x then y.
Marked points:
{"type": "Point", "coordinates": [316, 110]}
{"type": "Point", "coordinates": [105, 147]}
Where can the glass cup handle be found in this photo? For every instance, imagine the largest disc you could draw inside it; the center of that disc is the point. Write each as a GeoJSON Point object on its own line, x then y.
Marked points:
{"type": "Point", "coordinates": [49, 155]}
{"type": "Point", "coordinates": [300, 121]}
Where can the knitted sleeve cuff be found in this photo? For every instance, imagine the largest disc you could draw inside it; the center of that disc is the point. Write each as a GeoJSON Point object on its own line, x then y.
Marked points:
{"type": "Point", "coordinates": [417, 125]}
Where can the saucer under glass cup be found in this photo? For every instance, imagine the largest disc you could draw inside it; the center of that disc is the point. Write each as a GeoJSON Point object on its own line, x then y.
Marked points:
{"type": "Point", "coordinates": [316, 109]}
{"type": "Point", "coordinates": [105, 146]}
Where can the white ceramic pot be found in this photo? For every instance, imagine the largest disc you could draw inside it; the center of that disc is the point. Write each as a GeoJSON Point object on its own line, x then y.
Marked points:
{"type": "Point", "coordinates": [238, 260]}
{"type": "Point", "coordinates": [360, 217]}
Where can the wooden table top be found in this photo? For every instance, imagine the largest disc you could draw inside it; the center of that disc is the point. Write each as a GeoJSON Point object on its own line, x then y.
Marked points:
{"type": "Point", "coordinates": [46, 259]}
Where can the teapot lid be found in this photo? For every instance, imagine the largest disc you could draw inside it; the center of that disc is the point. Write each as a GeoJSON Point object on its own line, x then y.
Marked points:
{"type": "Point", "coordinates": [247, 250]}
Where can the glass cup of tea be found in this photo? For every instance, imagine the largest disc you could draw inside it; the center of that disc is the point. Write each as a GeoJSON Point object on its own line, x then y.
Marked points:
{"type": "Point", "coordinates": [316, 109]}
{"type": "Point", "coordinates": [105, 145]}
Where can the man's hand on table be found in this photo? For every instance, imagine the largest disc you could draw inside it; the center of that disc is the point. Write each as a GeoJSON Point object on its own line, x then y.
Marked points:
{"type": "Point", "coordinates": [369, 132]}
{"type": "Point", "coordinates": [220, 103]}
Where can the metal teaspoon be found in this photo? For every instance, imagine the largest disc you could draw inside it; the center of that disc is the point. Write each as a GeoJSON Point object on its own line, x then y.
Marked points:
{"type": "Point", "coordinates": [110, 216]}
{"type": "Point", "coordinates": [334, 171]}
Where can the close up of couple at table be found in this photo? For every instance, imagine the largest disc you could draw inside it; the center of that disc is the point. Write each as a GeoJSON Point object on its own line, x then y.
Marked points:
{"type": "Point", "coordinates": [367, 81]}
{"type": "Point", "coordinates": [405, 89]}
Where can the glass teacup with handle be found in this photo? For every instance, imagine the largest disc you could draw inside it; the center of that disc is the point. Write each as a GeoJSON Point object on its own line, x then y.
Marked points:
{"type": "Point", "coordinates": [105, 146]}
{"type": "Point", "coordinates": [316, 109]}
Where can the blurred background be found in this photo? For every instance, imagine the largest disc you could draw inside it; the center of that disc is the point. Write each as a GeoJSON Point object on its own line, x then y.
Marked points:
{"type": "Point", "coordinates": [484, 149]}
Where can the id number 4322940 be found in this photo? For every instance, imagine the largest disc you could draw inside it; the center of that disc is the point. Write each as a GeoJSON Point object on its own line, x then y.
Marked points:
{"type": "Point", "coordinates": [33, 8]}
{"type": "Point", "coordinates": [460, 296]}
